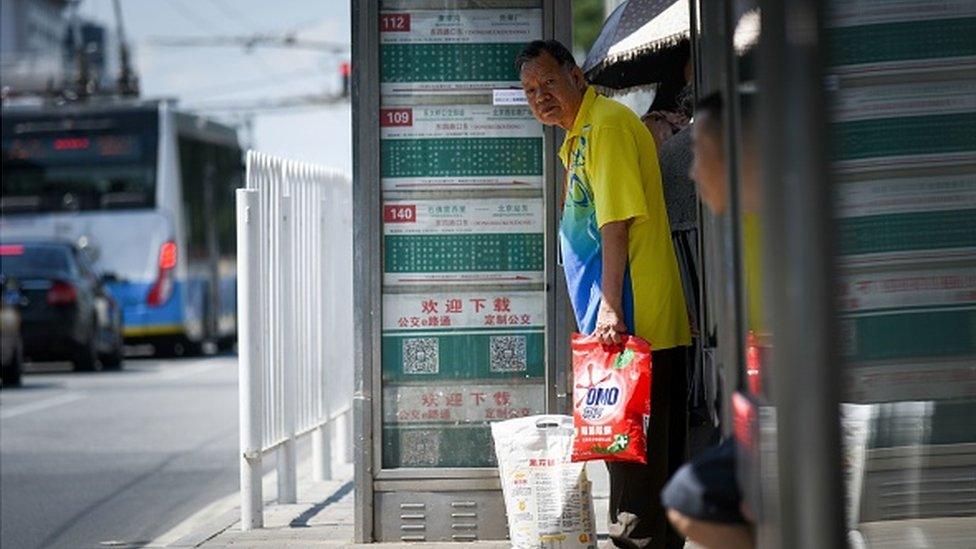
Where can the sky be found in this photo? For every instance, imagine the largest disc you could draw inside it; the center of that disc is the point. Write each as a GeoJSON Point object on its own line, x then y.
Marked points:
{"type": "Point", "coordinates": [207, 76]}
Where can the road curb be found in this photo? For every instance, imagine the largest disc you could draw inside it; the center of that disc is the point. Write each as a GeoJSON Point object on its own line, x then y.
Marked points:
{"type": "Point", "coordinates": [209, 530]}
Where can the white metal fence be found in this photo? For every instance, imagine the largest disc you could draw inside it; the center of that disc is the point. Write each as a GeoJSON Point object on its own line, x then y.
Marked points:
{"type": "Point", "coordinates": [294, 252]}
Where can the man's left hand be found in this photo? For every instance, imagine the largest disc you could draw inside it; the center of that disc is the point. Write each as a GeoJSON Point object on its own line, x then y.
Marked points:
{"type": "Point", "coordinates": [609, 325]}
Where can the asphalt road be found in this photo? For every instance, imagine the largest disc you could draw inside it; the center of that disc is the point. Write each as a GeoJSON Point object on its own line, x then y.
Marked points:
{"type": "Point", "coordinates": [115, 458]}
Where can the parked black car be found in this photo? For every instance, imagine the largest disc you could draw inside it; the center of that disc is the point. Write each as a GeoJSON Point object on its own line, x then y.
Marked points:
{"type": "Point", "coordinates": [66, 311]}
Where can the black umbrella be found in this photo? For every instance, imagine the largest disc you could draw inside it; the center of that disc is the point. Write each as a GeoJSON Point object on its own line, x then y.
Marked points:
{"type": "Point", "coordinates": [643, 42]}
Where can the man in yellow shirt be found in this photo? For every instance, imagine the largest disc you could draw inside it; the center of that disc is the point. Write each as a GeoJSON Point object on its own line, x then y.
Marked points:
{"type": "Point", "coordinates": [620, 266]}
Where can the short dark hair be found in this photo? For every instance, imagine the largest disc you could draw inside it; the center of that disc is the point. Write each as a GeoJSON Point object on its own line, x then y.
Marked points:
{"type": "Point", "coordinates": [536, 48]}
{"type": "Point", "coordinates": [713, 105]}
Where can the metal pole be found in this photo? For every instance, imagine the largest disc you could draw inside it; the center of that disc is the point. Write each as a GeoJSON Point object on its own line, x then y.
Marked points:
{"type": "Point", "coordinates": [249, 361]}
{"type": "Point", "coordinates": [367, 278]}
{"type": "Point", "coordinates": [287, 455]}
{"type": "Point", "coordinates": [797, 204]}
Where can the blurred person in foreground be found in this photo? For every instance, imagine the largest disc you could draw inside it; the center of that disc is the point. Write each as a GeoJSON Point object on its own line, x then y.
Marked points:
{"type": "Point", "coordinates": [619, 264]}
{"type": "Point", "coordinates": [703, 498]}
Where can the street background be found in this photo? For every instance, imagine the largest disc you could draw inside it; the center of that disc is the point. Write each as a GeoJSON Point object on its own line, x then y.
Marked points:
{"type": "Point", "coordinates": [235, 83]}
{"type": "Point", "coordinates": [115, 458]}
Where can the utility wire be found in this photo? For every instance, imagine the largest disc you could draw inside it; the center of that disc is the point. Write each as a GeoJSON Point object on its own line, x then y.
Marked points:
{"type": "Point", "coordinates": [291, 102]}
{"type": "Point", "coordinates": [265, 81]}
{"type": "Point", "coordinates": [249, 42]}
{"type": "Point", "coordinates": [198, 22]}
{"type": "Point", "coordinates": [179, 7]}
{"type": "Point", "coordinates": [234, 14]}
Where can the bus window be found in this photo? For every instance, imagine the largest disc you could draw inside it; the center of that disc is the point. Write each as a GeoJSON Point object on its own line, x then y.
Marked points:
{"type": "Point", "coordinates": [110, 164]}
{"type": "Point", "coordinates": [194, 158]}
{"type": "Point", "coordinates": [210, 172]}
{"type": "Point", "coordinates": [228, 177]}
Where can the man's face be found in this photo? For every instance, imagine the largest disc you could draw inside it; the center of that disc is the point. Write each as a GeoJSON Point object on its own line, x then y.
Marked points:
{"type": "Point", "coordinates": [555, 93]}
{"type": "Point", "coordinates": [708, 166]}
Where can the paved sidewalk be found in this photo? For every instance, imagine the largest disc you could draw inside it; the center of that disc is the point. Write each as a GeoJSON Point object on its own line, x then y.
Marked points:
{"type": "Point", "coordinates": [323, 517]}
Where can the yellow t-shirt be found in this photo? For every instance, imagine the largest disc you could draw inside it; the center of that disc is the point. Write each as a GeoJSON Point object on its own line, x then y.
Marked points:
{"type": "Point", "coordinates": [613, 175]}
{"type": "Point", "coordinates": [752, 262]}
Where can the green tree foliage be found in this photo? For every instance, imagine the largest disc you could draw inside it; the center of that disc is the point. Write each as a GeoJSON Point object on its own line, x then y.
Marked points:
{"type": "Point", "coordinates": [587, 22]}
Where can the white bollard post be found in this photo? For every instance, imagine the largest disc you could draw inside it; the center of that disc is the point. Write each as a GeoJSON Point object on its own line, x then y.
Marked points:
{"type": "Point", "coordinates": [251, 412]}
{"type": "Point", "coordinates": [322, 452]}
{"type": "Point", "coordinates": [287, 455]}
{"type": "Point", "coordinates": [335, 293]}
{"type": "Point", "coordinates": [342, 434]}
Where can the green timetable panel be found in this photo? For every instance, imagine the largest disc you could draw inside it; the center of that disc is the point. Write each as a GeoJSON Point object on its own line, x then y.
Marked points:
{"type": "Point", "coordinates": [878, 234]}
{"type": "Point", "coordinates": [460, 147]}
{"type": "Point", "coordinates": [512, 159]}
{"type": "Point", "coordinates": [884, 126]}
{"type": "Point", "coordinates": [453, 50]}
{"type": "Point", "coordinates": [943, 332]}
{"type": "Point", "coordinates": [468, 258]}
{"type": "Point", "coordinates": [871, 35]}
{"type": "Point", "coordinates": [890, 43]}
{"type": "Point", "coordinates": [448, 63]}
{"type": "Point", "coordinates": [946, 134]}
{"type": "Point", "coordinates": [463, 241]}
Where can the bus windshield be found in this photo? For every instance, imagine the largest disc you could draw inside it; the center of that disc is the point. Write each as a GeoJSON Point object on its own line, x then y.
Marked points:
{"type": "Point", "coordinates": [107, 164]}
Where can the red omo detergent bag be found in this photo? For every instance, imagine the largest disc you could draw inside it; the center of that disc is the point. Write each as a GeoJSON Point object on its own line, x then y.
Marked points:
{"type": "Point", "coordinates": [611, 399]}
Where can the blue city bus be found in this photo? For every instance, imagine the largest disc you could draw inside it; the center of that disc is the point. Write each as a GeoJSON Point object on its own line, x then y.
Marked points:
{"type": "Point", "coordinates": [149, 192]}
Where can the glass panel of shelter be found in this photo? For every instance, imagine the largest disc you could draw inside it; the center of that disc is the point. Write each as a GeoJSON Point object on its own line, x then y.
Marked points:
{"type": "Point", "coordinates": [904, 183]}
{"type": "Point", "coordinates": [902, 83]}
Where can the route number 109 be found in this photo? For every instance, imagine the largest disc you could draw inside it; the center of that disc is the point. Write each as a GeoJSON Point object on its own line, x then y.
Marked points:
{"type": "Point", "coordinates": [396, 117]}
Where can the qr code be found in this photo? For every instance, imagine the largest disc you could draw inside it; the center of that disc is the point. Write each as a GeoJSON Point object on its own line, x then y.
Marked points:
{"type": "Point", "coordinates": [420, 448]}
{"type": "Point", "coordinates": [420, 356]}
{"type": "Point", "coordinates": [506, 354]}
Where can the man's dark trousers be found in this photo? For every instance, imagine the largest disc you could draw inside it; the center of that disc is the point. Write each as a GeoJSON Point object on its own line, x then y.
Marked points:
{"type": "Point", "coordinates": [637, 518]}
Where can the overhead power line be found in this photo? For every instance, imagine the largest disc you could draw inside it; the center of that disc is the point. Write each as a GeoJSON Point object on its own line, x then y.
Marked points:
{"type": "Point", "coordinates": [292, 102]}
{"type": "Point", "coordinates": [240, 86]}
{"type": "Point", "coordinates": [233, 13]}
{"type": "Point", "coordinates": [249, 42]}
{"type": "Point", "coordinates": [189, 15]}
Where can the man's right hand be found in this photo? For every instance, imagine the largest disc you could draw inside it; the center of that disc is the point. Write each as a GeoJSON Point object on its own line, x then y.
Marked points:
{"type": "Point", "coordinates": [609, 325]}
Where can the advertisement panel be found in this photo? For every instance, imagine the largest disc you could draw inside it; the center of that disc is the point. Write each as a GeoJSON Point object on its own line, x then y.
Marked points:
{"type": "Point", "coordinates": [453, 361]}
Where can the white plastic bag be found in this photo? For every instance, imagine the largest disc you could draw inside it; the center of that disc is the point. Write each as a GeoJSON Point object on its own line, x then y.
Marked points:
{"type": "Point", "coordinates": [547, 497]}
